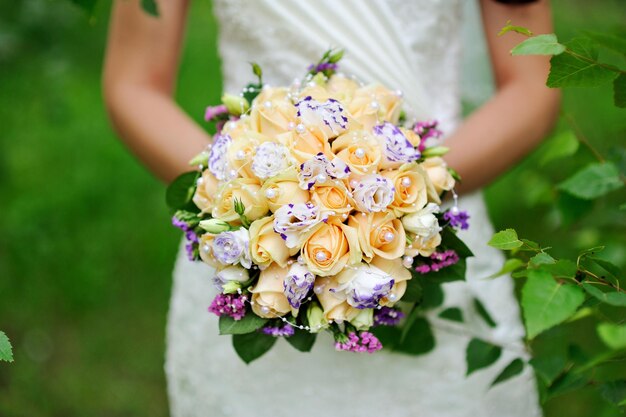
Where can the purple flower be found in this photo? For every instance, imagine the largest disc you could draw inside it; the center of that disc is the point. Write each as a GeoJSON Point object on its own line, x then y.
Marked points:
{"type": "Point", "coordinates": [457, 218]}
{"type": "Point", "coordinates": [182, 225]}
{"type": "Point", "coordinates": [285, 331]}
{"type": "Point", "coordinates": [361, 342]}
{"type": "Point", "coordinates": [218, 163]}
{"type": "Point", "coordinates": [329, 115]}
{"type": "Point", "coordinates": [438, 261]}
{"type": "Point", "coordinates": [324, 66]}
{"type": "Point", "coordinates": [231, 248]}
{"type": "Point", "coordinates": [387, 316]}
{"type": "Point", "coordinates": [427, 130]}
{"type": "Point", "coordinates": [364, 285]}
{"type": "Point", "coordinates": [319, 170]}
{"type": "Point", "coordinates": [231, 305]}
{"type": "Point", "coordinates": [215, 111]}
{"type": "Point", "coordinates": [297, 284]}
{"type": "Point", "coordinates": [396, 147]}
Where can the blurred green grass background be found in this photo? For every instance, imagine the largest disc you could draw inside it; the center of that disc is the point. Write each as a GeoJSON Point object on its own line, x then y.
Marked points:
{"type": "Point", "coordinates": [86, 249]}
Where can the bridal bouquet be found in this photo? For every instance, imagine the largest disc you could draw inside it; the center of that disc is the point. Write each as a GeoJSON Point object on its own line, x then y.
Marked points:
{"type": "Point", "coordinates": [319, 206]}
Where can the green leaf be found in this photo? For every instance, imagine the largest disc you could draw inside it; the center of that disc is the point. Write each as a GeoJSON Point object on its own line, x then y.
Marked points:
{"type": "Point", "coordinates": [180, 191]}
{"type": "Point", "coordinates": [583, 70]}
{"type": "Point", "coordinates": [413, 292]}
{"type": "Point", "coordinates": [450, 273]}
{"type": "Point", "coordinates": [613, 335]}
{"type": "Point", "coordinates": [563, 268]}
{"type": "Point", "coordinates": [614, 391]}
{"type": "Point", "coordinates": [593, 181]}
{"type": "Point", "coordinates": [6, 350]}
{"type": "Point", "coordinates": [542, 258]}
{"type": "Point", "coordinates": [513, 28]}
{"type": "Point", "coordinates": [607, 40]}
{"type": "Point", "coordinates": [619, 91]}
{"type": "Point", "coordinates": [546, 44]}
{"type": "Point", "coordinates": [417, 337]}
{"type": "Point", "coordinates": [256, 70]}
{"type": "Point", "coordinates": [482, 312]}
{"type": "Point", "coordinates": [609, 267]}
{"type": "Point", "coordinates": [252, 346]}
{"type": "Point", "coordinates": [452, 313]}
{"type": "Point", "coordinates": [249, 323]}
{"type": "Point", "coordinates": [450, 240]}
{"type": "Point", "coordinates": [546, 302]}
{"type": "Point", "coordinates": [509, 266]}
{"type": "Point", "coordinates": [529, 246]}
{"type": "Point", "coordinates": [512, 369]}
{"type": "Point", "coordinates": [566, 383]}
{"type": "Point", "coordinates": [86, 5]}
{"type": "Point", "coordinates": [505, 240]}
{"type": "Point", "coordinates": [432, 294]}
{"type": "Point", "coordinates": [480, 354]}
{"type": "Point", "coordinates": [614, 298]}
{"type": "Point", "coordinates": [389, 336]}
{"type": "Point", "coordinates": [302, 340]}
{"type": "Point", "coordinates": [548, 368]}
{"type": "Point", "coordinates": [150, 7]}
{"type": "Point", "coordinates": [571, 208]}
{"type": "Point", "coordinates": [561, 145]}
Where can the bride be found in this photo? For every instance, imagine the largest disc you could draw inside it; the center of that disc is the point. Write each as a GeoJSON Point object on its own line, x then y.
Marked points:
{"type": "Point", "coordinates": [414, 46]}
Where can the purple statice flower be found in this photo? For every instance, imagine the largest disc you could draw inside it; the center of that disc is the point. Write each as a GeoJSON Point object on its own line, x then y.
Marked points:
{"type": "Point", "coordinates": [427, 130]}
{"type": "Point", "coordinates": [277, 331]}
{"type": "Point", "coordinates": [231, 305]}
{"type": "Point", "coordinates": [182, 225]}
{"type": "Point", "coordinates": [297, 284]}
{"type": "Point", "coordinates": [192, 244]}
{"type": "Point", "coordinates": [361, 342]}
{"type": "Point", "coordinates": [396, 147]}
{"type": "Point", "coordinates": [387, 316]}
{"type": "Point", "coordinates": [438, 261]}
{"type": "Point", "coordinates": [324, 66]}
{"type": "Point", "coordinates": [215, 111]}
{"type": "Point", "coordinates": [457, 218]}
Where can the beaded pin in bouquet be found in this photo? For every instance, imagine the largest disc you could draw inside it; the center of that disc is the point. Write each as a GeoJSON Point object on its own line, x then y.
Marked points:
{"type": "Point", "coordinates": [319, 206]}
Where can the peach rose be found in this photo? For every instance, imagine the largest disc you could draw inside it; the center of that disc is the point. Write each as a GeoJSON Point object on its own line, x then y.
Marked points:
{"type": "Point", "coordinates": [342, 88]}
{"type": "Point", "coordinates": [374, 104]}
{"type": "Point", "coordinates": [334, 305]}
{"type": "Point", "coordinates": [266, 246]}
{"type": "Point", "coordinates": [437, 171]}
{"type": "Point", "coordinates": [268, 299]}
{"type": "Point", "coordinates": [379, 234]}
{"type": "Point", "coordinates": [412, 185]}
{"type": "Point", "coordinates": [304, 144]}
{"type": "Point", "coordinates": [400, 275]}
{"type": "Point", "coordinates": [332, 196]}
{"type": "Point", "coordinates": [331, 247]}
{"type": "Point", "coordinates": [241, 152]}
{"type": "Point", "coordinates": [272, 112]}
{"type": "Point", "coordinates": [360, 150]}
{"type": "Point", "coordinates": [284, 189]}
{"type": "Point", "coordinates": [204, 197]}
{"type": "Point", "coordinates": [205, 249]}
{"type": "Point", "coordinates": [245, 190]}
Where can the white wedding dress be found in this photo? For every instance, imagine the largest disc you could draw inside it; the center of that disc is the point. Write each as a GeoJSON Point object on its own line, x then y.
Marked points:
{"type": "Point", "coordinates": [415, 46]}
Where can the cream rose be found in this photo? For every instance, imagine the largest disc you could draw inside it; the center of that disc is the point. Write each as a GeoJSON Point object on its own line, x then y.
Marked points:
{"type": "Point", "coordinates": [283, 189]}
{"type": "Point", "coordinates": [305, 144]}
{"type": "Point", "coordinates": [245, 190]}
{"type": "Point", "coordinates": [330, 248]}
{"type": "Point", "coordinates": [364, 285]}
{"type": "Point", "coordinates": [425, 227]}
{"type": "Point", "coordinates": [242, 151]}
{"type": "Point", "coordinates": [332, 197]}
{"type": "Point", "coordinates": [437, 171]}
{"type": "Point", "coordinates": [411, 185]}
{"type": "Point", "coordinates": [342, 88]}
{"type": "Point", "coordinates": [379, 234]}
{"type": "Point", "coordinates": [373, 104]}
{"type": "Point", "coordinates": [272, 112]}
{"type": "Point", "coordinates": [334, 305]}
{"type": "Point", "coordinates": [400, 274]}
{"type": "Point", "coordinates": [360, 150]}
{"type": "Point", "coordinates": [266, 246]}
{"type": "Point", "coordinates": [204, 197]}
{"type": "Point", "coordinates": [268, 298]}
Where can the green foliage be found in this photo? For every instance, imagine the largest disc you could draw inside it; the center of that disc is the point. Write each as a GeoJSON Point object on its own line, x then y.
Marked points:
{"type": "Point", "coordinates": [483, 313]}
{"type": "Point", "coordinates": [180, 191]}
{"type": "Point", "coordinates": [511, 370]}
{"type": "Point", "coordinates": [150, 7]}
{"type": "Point", "coordinates": [539, 45]}
{"type": "Point", "coordinates": [417, 337]}
{"type": "Point", "coordinates": [505, 240]}
{"type": "Point", "coordinates": [613, 335]}
{"type": "Point", "coordinates": [619, 91]}
{"type": "Point", "coordinates": [249, 323]}
{"type": "Point", "coordinates": [546, 302]}
{"type": "Point", "coordinates": [593, 181]}
{"type": "Point", "coordinates": [614, 298]}
{"type": "Point", "coordinates": [579, 67]}
{"type": "Point", "coordinates": [452, 313]}
{"type": "Point", "coordinates": [302, 340]}
{"type": "Point", "coordinates": [562, 145]}
{"type": "Point", "coordinates": [513, 28]}
{"type": "Point", "coordinates": [6, 351]}
{"type": "Point", "coordinates": [481, 354]}
{"type": "Point", "coordinates": [509, 266]}
{"type": "Point", "coordinates": [251, 346]}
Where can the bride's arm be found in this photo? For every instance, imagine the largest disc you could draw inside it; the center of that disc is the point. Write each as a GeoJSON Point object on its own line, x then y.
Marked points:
{"type": "Point", "coordinates": [139, 79]}
{"type": "Point", "coordinates": [522, 111]}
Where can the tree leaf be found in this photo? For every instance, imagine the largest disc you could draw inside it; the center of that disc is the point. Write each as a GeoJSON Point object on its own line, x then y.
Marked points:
{"type": "Point", "coordinates": [389, 336]}
{"type": "Point", "coordinates": [413, 292]}
{"type": "Point", "coordinates": [302, 340]}
{"type": "Point", "coordinates": [546, 302]}
{"type": "Point", "coordinates": [614, 391]}
{"type": "Point", "coordinates": [150, 7]}
{"type": "Point", "coordinates": [482, 312]}
{"type": "Point", "coordinates": [613, 335]}
{"type": "Point", "coordinates": [505, 240]}
{"type": "Point", "coordinates": [566, 383]}
{"type": "Point", "coordinates": [607, 40]}
{"type": "Point", "coordinates": [452, 313]}
{"type": "Point", "coordinates": [249, 323]}
{"type": "Point", "coordinates": [571, 209]}
{"type": "Point", "coordinates": [561, 145]}
{"type": "Point", "coordinates": [252, 346]}
{"type": "Point", "coordinates": [180, 191]}
{"type": "Point", "coordinates": [563, 268]}
{"type": "Point", "coordinates": [450, 273]}
{"type": "Point", "coordinates": [567, 70]}
{"type": "Point", "coordinates": [593, 181]}
{"type": "Point", "coordinates": [6, 350]}
{"type": "Point", "coordinates": [417, 337]}
{"type": "Point", "coordinates": [450, 240]}
{"type": "Point", "coordinates": [542, 258]}
{"type": "Point", "coordinates": [512, 369]}
{"type": "Point", "coordinates": [513, 28]}
{"type": "Point", "coordinates": [432, 294]}
{"type": "Point", "coordinates": [619, 91]}
{"type": "Point", "coordinates": [86, 5]}
{"type": "Point", "coordinates": [609, 267]}
{"type": "Point", "coordinates": [614, 298]}
{"type": "Point", "coordinates": [548, 368]}
{"type": "Point", "coordinates": [546, 44]}
{"type": "Point", "coordinates": [480, 354]}
{"type": "Point", "coordinates": [510, 265]}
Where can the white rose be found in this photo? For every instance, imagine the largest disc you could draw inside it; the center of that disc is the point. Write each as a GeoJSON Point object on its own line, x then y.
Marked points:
{"type": "Point", "coordinates": [328, 116]}
{"type": "Point", "coordinates": [270, 159]}
{"type": "Point", "coordinates": [231, 248]}
{"type": "Point", "coordinates": [230, 274]}
{"type": "Point", "coordinates": [423, 223]}
{"type": "Point", "coordinates": [364, 285]}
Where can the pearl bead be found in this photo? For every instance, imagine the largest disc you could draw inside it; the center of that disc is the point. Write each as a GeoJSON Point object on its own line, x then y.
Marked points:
{"type": "Point", "coordinates": [392, 297]}
{"type": "Point", "coordinates": [300, 260]}
{"type": "Point", "coordinates": [265, 309]}
{"type": "Point", "coordinates": [268, 104]}
{"type": "Point", "coordinates": [240, 155]}
{"type": "Point", "coordinates": [375, 105]}
{"type": "Point", "coordinates": [320, 256]}
{"type": "Point", "coordinates": [291, 125]}
{"type": "Point", "coordinates": [233, 173]}
{"type": "Point", "coordinates": [406, 182]}
{"type": "Point", "coordinates": [322, 178]}
{"type": "Point", "coordinates": [389, 237]}
{"type": "Point", "coordinates": [270, 193]}
{"type": "Point", "coordinates": [318, 289]}
{"type": "Point", "coordinates": [407, 261]}
{"type": "Point", "coordinates": [354, 183]}
{"type": "Point", "coordinates": [399, 93]}
{"type": "Point", "coordinates": [300, 128]}
{"type": "Point", "coordinates": [359, 153]}
{"type": "Point", "coordinates": [454, 210]}
{"type": "Point", "coordinates": [199, 181]}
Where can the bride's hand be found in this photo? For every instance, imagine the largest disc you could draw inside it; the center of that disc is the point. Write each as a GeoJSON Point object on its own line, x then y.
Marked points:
{"type": "Point", "coordinates": [140, 70]}
{"type": "Point", "coordinates": [522, 111]}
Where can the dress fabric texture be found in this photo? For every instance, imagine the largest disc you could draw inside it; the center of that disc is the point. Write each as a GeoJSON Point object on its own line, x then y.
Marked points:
{"type": "Point", "coordinates": [413, 46]}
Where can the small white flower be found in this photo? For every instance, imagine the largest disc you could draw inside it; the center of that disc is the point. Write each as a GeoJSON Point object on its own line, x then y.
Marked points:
{"type": "Point", "coordinates": [423, 223]}
{"type": "Point", "coordinates": [231, 248]}
{"type": "Point", "coordinates": [269, 160]}
{"type": "Point", "coordinates": [328, 116]}
{"type": "Point", "coordinates": [218, 163]}
{"type": "Point", "coordinates": [364, 285]}
{"type": "Point", "coordinates": [293, 221]}
{"type": "Point", "coordinates": [319, 170]}
{"type": "Point", "coordinates": [397, 149]}
{"type": "Point", "coordinates": [233, 273]}
{"type": "Point", "coordinates": [373, 193]}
